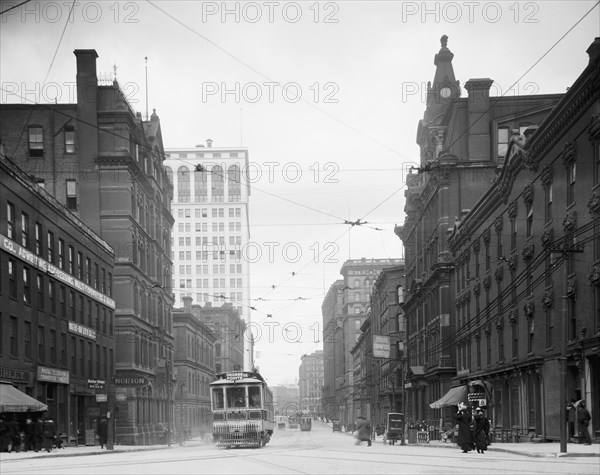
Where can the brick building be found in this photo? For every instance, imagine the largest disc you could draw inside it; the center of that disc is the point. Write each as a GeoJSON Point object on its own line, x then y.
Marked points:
{"type": "Point", "coordinates": [104, 164]}
{"type": "Point", "coordinates": [463, 143]}
{"type": "Point", "coordinates": [310, 383]}
{"type": "Point", "coordinates": [524, 299]}
{"type": "Point", "coordinates": [57, 312]}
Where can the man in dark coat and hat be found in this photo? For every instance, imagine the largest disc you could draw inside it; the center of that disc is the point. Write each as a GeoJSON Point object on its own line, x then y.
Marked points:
{"type": "Point", "coordinates": [102, 431]}
{"type": "Point", "coordinates": [465, 436]}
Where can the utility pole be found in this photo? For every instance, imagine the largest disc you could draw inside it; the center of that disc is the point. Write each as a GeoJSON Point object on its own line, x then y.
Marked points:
{"type": "Point", "coordinates": [110, 415]}
{"type": "Point", "coordinates": [566, 250]}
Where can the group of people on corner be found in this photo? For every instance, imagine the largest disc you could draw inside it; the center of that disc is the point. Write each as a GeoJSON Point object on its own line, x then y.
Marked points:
{"type": "Point", "coordinates": [576, 411]}
{"type": "Point", "coordinates": [473, 429]}
{"type": "Point", "coordinates": [33, 435]}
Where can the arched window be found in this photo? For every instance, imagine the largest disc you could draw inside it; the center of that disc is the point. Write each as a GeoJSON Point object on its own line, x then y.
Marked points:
{"type": "Point", "coordinates": [234, 184]}
{"type": "Point", "coordinates": [183, 185]}
{"type": "Point", "coordinates": [218, 183]}
{"type": "Point", "coordinates": [200, 186]}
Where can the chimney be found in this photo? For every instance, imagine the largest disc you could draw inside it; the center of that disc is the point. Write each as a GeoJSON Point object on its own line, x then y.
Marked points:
{"type": "Point", "coordinates": [209, 143]}
{"type": "Point", "coordinates": [479, 118]}
{"type": "Point", "coordinates": [87, 136]}
{"type": "Point", "coordinates": [187, 304]}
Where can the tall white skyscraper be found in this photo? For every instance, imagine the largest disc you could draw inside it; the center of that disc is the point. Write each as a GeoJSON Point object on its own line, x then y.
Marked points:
{"type": "Point", "coordinates": [211, 230]}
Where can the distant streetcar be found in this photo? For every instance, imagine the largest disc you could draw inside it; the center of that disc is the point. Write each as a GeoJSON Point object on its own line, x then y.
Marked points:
{"type": "Point", "coordinates": [242, 409]}
{"type": "Point", "coordinates": [305, 423]}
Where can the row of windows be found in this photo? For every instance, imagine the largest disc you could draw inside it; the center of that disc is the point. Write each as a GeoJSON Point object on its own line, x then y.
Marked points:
{"type": "Point", "coordinates": [36, 140]}
{"type": "Point", "coordinates": [216, 269]}
{"type": "Point", "coordinates": [56, 252]}
{"type": "Point", "coordinates": [204, 241]}
{"type": "Point", "coordinates": [61, 301]}
{"type": "Point", "coordinates": [203, 227]}
{"type": "Point", "coordinates": [46, 345]}
{"type": "Point", "coordinates": [216, 283]}
{"type": "Point", "coordinates": [207, 155]}
{"type": "Point", "coordinates": [221, 255]}
{"type": "Point", "coordinates": [182, 188]}
{"type": "Point", "coordinates": [203, 212]}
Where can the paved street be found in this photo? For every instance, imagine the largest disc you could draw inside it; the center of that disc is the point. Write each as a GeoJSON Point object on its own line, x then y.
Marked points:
{"type": "Point", "coordinates": [318, 451]}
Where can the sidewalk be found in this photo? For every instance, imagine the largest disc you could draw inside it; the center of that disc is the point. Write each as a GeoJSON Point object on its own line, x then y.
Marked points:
{"type": "Point", "coordinates": [91, 450]}
{"type": "Point", "coordinates": [529, 449]}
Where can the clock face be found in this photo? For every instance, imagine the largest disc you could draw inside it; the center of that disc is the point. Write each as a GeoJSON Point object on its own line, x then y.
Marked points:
{"type": "Point", "coordinates": [445, 92]}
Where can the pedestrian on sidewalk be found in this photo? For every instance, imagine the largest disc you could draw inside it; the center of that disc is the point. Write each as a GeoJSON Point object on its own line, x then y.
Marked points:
{"type": "Point", "coordinates": [15, 434]}
{"type": "Point", "coordinates": [49, 431]}
{"type": "Point", "coordinates": [481, 430]}
{"type": "Point", "coordinates": [583, 420]}
{"type": "Point", "coordinates": [102, 431]}
{"type": "Point", "coordinates": [38, 434]}
{"type": "Point", "coordinates": [465, 435]}
{"type": "Point", "coordinates": [363, 431]}
{"type": "Point", "coordinates": [29, 434]}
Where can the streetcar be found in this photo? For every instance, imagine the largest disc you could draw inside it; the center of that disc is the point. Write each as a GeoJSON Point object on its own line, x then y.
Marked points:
{"type": "Point", "coordinates": [305, 423]}
{"type": "Point", "coordinates": [242, 410]}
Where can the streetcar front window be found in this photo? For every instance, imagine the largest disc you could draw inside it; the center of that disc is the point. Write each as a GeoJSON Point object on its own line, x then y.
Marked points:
{"type": "Point", "coordinates": [255, 415]}
{"type": "Point", "coordinates": [218, 400]}
{"type": "Point", "coordinates": [236, 397]}
{"type": "Point", "coordinates": [254, 396]}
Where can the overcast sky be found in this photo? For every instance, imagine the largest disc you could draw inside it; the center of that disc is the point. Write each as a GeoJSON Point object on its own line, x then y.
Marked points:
{"type": "Point", "coordinates": [325, 95]}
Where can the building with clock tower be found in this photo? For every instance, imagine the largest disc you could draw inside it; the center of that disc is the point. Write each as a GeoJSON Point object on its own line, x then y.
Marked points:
{"type": "Point", "coordinates": [463, 143]}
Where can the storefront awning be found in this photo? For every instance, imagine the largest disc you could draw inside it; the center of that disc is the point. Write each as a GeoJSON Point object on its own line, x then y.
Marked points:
{"type": "Point", "coordinates": [13, 400]}
{"type": "Point", "coordinates": [451, 398]}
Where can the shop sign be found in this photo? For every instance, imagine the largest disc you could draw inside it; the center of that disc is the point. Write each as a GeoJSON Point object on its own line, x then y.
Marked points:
{"type": "Point", "coordinates": [475, 396]}
{"type": "Point", "coordinates": [82, 330]}
{"type": "Point", "coordinates": [101, 397]}
{"type": "Point", "coordinates": [45, 266]}
{"type": "Point", "coordinates": [12, 374]}
{"type": "Point", "coordinates": [96, 383]}
{"type": "Point", "coordinates": [131, 381]}
{"type": "Point", "coordinates": [381, 346]}
{"type": "Point", "coordinates": [52, 375]}
{"type": "Point", "coordinates": [121, 397]}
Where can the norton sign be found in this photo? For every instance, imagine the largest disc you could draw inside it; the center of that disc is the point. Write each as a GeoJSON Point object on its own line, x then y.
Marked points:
{"type": "Point", "coordinates": [130, 381]}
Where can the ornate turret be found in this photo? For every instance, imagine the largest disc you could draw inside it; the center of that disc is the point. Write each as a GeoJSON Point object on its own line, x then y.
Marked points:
{"type": "Point", "coordinates": [445, 87]}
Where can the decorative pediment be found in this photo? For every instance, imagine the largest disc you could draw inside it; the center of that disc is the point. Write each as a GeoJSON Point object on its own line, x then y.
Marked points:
{"type": "Point", "coordinates": [547, 237]}
{"type": "Point", "coordinates": [528, 193]}
{"type": "Point", "coordinates": [487, 281]}
{"type": "Point", "coordinates": [529, 308]}
{"type": "Point", "coordinates": [528, 252]}
{"type": "Point", "coordinates": [572, 287]}
{"type": "Point", "coordinates": [570, 220]}
{"type": "Point", "coordinates": [513, 316]}
{"type": "Point", "coordinates": [512, 262]}
{"type": "Point", "coordinates": [512, 209]}
{"type": "Point", "coordinates": [486, 236]}
{"type": "Point", "coordinates": [594, 276]}
{"type": "Point", "coordinates": [477, 288]}
{"type": "Point", "coordinates": [594, 202]}
{"type": "Point", "coordinates": [569, 153]}
{"type": "Point", "coordinates": [498, 223]}
{"type": "Point", "coordinates": [546, 175]}
{"type": "Point", "coordinates": [548, 299]}
{"type": "Point", "coordinates": [499, 273]}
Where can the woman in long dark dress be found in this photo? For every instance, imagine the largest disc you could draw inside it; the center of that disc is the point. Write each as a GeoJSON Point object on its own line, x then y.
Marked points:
{"type": "Point", "coordinates": [465, 436]}
{"type": "Point", "coordinates": [481, 429]}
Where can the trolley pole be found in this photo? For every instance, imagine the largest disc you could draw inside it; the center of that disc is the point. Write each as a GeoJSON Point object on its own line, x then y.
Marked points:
{"type": "Point", "coordinates": [565, 251]}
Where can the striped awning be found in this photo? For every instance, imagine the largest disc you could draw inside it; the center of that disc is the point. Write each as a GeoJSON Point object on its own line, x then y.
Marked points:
{"type": "Point", "coordinates": [13, 400]}
{"type": "Point", "coordinates": [451, 398]}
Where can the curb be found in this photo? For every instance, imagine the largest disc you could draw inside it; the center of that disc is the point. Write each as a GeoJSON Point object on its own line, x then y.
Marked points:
{"type": "Point", "coordinates": [82, 454]}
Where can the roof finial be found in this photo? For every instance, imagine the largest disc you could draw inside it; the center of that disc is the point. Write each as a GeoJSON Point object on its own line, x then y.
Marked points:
{"type": "Point", "coordinates": [444, 41]}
